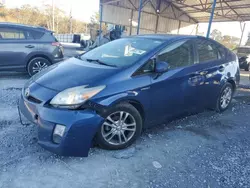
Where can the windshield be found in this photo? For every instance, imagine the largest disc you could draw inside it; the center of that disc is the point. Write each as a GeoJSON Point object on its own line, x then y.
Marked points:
{"type": "Point", "coordinates": [122, 52]}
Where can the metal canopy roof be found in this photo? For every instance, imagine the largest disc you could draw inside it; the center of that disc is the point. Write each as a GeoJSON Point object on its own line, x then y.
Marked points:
{"type": "Point", "coordinates": [226, 10]}
{"type": "Point", "coordinates": [200, 10]}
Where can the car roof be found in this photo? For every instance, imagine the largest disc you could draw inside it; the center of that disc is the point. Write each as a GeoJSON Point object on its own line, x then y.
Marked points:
{"type": "Point", "coordinates": [23, 26]}
{"type": "Point", "coordinates": [167, 37]}
{"type": "Point", "coordinates": [174, 37]}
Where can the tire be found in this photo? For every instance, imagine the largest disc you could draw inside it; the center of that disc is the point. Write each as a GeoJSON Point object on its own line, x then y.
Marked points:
{"type": "Point", "coordinates": [114, 130]}
{"type": "Point", "coordinates": [37, 64]}
{"type": "Point", "coordinates": [227, 94]}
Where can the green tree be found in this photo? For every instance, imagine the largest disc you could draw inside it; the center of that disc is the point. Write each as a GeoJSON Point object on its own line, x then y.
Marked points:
{"type": "Point", "coordinates": [216, 35]}
{"type": "Point", "coordinates": [229, 41]}
{"type": "Point", "coordinates": [94, 19]}
{"type": "Point", "coordinates": [42, 16]}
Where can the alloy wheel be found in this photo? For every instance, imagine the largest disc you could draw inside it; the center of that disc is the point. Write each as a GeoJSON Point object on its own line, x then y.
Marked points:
{"type": "Point", "coordinates": [118, 128]}
{"type": "Point", "coordinates": [226, 97]}
{"type": "Point", "coordinates": [39, 66]}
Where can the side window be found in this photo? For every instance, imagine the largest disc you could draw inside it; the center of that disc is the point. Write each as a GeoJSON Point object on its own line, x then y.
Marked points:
{"type": "Point", "coordinates": [207, 51]}
{"type": "Point", "coordinates": [29, 35]}
{"type": "Point", "coordinates": [146, 68]}
{"type": "Point", "coordinates": [9, 33]}
{"type": "Point", "coordinates": [179, 54]}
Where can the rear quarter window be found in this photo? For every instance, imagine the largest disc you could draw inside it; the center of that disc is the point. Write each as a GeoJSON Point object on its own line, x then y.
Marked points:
{"type": "Point", "coordinates": [54, 37]}
{"type": "Point", "coordinates": [37, 34]}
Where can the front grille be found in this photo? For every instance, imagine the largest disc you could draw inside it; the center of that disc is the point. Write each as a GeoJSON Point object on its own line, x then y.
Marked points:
{"type": "Point", "coordinates": [33, 99]}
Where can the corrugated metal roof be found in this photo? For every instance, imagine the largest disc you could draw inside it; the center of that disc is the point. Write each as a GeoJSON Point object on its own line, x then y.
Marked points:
{"type": "Point", "coordinates": [160, 7]}
{"type": "Point", "coordinates": [226, 10]}
{"type": "Point", "coordinates": [195, 10]}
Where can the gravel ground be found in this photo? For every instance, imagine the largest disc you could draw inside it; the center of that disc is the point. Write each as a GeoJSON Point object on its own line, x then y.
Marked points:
{"type": "Point", "coordinates": [203, 150]}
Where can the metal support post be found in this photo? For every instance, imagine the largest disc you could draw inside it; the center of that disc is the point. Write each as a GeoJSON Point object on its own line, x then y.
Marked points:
{"type": "Point", "coordinates": [139, 17]}
{"type": "Point", "coordinates": [242, 32]}
{"type": "Point", "coordinates": [211, 18]}
{"type": "Point", "coordinates": [100, 28]}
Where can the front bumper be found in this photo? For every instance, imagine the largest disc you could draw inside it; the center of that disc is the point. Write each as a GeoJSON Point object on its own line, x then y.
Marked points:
{"type": "Point", "coordinates": [81, 127]}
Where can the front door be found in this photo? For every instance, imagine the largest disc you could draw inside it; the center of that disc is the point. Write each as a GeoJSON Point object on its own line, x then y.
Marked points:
{"type": "Point", "coordinates": [171, 93]}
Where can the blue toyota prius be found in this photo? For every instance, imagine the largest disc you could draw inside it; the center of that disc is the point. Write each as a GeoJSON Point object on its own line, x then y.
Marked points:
{"type": "Point", "coordinates": [110, 94]}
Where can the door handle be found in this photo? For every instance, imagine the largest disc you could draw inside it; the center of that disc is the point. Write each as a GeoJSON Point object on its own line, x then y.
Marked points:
{"type": "Point", "coordinates": [29, 46]}
{"type": "Point", "coordinates": [202, 73]}
{"type": "Point", "coordinates": [145, 88]}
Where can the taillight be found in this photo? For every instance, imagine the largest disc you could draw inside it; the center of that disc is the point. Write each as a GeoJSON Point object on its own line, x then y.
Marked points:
{"type": "Point", "coordinates": [56, 44]}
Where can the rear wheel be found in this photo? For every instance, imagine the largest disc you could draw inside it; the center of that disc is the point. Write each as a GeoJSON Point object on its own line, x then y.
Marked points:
{"type": "Point", "coordinates": [122, 125]}
{"type": "Point", "coordinates": [225, 97]}
{"type": "Point", "coordinates": [37, 64]}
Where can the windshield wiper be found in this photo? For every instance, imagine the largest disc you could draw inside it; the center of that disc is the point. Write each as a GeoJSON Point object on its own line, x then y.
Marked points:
{"type": "Point", "coordinates": [78, 57]}
{"type": "Point", "coordinates": [100, 62]}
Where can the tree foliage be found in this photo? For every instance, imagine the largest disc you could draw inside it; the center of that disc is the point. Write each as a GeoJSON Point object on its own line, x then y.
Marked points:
{"type": "Point", "coordinates": [229, 41]}
{"type": "Point", "coordinates": [43, 16]}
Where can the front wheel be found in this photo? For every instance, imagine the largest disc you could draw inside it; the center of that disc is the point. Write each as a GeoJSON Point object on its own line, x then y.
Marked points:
{"type": "Point", "coordinates": [122, 125]}
{"type": "Point", "coordinates": [37, 64]}
{"type": "Point", "coordinates": [225, 97]}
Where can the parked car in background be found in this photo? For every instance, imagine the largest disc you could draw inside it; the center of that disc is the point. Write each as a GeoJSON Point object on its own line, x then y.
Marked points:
{"type": "Point", "coordinates": [113, 92]}
{"type": "Point", "coordinates": [243, 54]}
{"type": "Point", "coordinates": [27, 48]}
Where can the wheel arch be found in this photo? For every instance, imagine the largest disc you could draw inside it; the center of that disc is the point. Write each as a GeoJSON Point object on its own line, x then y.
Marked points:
{"type": "Point", "coordinates": [135, 103]}
{"type": "Point", "coordinates": [232, 82]}
{"type": "Point", "coordinates": [138, 107]}
{"type": "Point", "coordinates": [35, 55]}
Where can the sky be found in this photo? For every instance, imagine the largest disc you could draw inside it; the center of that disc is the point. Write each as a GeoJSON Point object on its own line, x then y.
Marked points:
{"type": "Point", "coordinates": [83, 9]}
{"type": "Point", "coordinates": [228, 28]}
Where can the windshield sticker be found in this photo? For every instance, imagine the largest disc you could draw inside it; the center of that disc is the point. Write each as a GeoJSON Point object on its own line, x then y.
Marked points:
{"type": "Point", "coordinates": [110, 56]}
{"type": "Point", "coordinates": [129, 51]}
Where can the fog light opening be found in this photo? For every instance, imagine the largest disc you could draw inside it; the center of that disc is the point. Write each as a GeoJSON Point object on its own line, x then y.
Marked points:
{"type": "Point", "coordinates": [58, 133]}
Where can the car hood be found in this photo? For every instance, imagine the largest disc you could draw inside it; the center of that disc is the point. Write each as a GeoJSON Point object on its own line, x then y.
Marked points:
{"type": "Point", "coordinates": [71, 73]}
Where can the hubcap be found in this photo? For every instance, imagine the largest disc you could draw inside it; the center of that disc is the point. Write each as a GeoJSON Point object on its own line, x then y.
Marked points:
{"type": "Point", "coordinates": [38, 66]}
{"type": "Point", "coordinates": [226, 97]}
{"type": "Point", "coordinates": [118, 128]}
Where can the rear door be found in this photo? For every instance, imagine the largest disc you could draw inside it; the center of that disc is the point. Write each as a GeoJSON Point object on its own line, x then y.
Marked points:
{"type": "Point", "coordinates": [210, 71]}
{"type": "Point", "coordinates": [15, 44]}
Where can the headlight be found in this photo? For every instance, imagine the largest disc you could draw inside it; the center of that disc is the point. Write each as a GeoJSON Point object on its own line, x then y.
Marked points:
{"type": "Point", "coordinates": [74, 97]}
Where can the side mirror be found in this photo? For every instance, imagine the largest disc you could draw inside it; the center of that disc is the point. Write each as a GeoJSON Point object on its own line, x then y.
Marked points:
{"type": "Point", "coordinates": [161, 67]}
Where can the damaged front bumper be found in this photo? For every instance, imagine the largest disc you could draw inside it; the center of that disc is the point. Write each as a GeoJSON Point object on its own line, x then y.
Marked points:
{"type": "Point", "coordinates": [81, 127]}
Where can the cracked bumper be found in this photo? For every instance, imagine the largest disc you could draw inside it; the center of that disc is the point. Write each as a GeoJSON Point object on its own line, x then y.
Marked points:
{"type": "Point", "coordinates": [81, 127]}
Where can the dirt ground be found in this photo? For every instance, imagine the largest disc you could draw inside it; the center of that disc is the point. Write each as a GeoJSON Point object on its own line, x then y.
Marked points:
{"type": "Point", "coordinates": [203, 150]}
